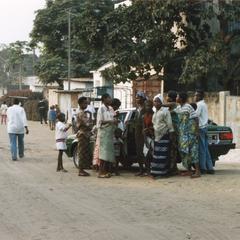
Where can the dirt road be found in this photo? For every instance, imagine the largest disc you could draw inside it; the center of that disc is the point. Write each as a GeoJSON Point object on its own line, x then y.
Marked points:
{"type": "Point", "coordinates": [39, 204]}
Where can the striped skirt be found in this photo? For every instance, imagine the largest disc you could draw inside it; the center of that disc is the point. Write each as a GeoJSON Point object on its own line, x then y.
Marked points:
{"type": "Point", "coordinates": [160, 163]}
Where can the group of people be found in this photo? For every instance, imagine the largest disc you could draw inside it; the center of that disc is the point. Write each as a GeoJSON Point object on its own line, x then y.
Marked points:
{"type": "Point", "coordinates": [107, 123]}
{"type": "Point", "coordinates": [166, 133]}
{"type": "Point", "coordinates": [175, 132]}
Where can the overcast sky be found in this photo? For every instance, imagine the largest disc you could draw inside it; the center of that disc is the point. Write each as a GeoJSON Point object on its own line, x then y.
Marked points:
{"type": "Point", "coordinates": [16, 19]}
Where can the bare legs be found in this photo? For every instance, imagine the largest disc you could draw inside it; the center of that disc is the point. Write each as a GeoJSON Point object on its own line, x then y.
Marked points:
{"type": "Point", "coordinates": [60, 162]}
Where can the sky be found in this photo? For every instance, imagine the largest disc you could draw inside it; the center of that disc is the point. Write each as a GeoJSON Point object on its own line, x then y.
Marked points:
{"type": "Point", "coordinates": [16, 19]}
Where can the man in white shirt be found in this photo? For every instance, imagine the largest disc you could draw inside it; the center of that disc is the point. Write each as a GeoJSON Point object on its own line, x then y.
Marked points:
{"type": "Point", "coordinates": [205, 159]}
{"type": "Point", "coordinates": [16, 125]}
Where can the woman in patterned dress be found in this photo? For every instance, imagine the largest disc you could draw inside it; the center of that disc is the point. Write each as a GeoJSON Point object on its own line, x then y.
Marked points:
{"type": "Point", "coordinates": [188, 137]}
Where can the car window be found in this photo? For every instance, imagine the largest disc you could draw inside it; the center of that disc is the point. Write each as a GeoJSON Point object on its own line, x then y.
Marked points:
{"type": "Point", "coordinates": [133, 115]}
{"type": "Point", "coordinates": [122, 116]}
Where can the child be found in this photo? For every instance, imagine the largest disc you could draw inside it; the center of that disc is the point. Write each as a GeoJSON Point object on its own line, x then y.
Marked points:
{"type": "Point", "coordinates": [118, 148]}
{"type": "Point", "coordinates": [52, 116]}
{"type": "Point", "coordinates": [61, 136]}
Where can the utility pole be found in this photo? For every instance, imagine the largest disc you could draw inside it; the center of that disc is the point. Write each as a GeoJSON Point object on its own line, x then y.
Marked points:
{"type": "Point", "coordinates": [69, 50]}
{"type": "Point", "coordinates": [20, 77]}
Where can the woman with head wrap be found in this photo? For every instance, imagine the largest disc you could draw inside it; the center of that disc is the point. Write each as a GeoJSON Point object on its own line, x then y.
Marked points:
{"type": "Point", "coordinates": [138, 125]}
{"type": "Point", "coordinates": [163, 128]}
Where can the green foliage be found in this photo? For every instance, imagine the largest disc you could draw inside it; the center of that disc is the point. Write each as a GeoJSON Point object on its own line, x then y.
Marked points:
{"type": "Point", "coordinates": [51, 32]}
{"type": "Point", "coordinates": [214, 64]}
{"type": "Point", "coordinates": [139, 38]}
{"type": "Point", "coordinates": [140, 41]}
{"type": "Point", "coordinates": [205, 63]}
{"type": "Point", "coordinates": [51, 69]}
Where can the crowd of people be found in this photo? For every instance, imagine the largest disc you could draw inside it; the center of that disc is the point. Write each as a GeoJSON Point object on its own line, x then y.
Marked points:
{"type": "Point", "coordinates": [166, 133]}
{"type": "Point", "coordinates": [176, 131]}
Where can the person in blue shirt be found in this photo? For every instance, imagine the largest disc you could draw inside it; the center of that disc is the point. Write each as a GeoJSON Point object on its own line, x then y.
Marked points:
{"type": "Point", "coordinates": [52, 116]}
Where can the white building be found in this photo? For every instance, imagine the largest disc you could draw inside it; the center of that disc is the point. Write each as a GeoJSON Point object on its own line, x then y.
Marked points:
{"type": "Point", "coordinates": [78, 83]}
{"type": "Point", "coordinates": [35, 85]}
{"type": "Point", "coordinates": [122, 91]}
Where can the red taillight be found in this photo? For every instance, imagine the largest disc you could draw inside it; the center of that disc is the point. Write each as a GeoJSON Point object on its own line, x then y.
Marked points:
{"type": "Point", "coordinates": [226, 136]}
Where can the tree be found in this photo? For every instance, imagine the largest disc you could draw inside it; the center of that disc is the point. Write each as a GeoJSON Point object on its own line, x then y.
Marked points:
{"type": "Point", "coordinates": [140, 38]}
{"type": "Point", "coordinates": [16, 61]}
{"type": "Point", "coordinates": [3, 66]}
{"type": "Point", "coordinates": [214, 65]}
{"type": "Point", "coordinates": [50, 31]}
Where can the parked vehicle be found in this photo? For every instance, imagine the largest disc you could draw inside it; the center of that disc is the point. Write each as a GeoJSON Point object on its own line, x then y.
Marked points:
{"type": "Point", "coordinates": [220, 140]}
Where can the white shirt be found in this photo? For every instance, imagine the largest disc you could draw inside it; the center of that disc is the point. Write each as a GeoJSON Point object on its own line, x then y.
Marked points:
{"type": "Point", "coordinates": [16, 119]}
{"type": "Point", "coordinates": [90, 108]}
{"type": "Point", "coordinates": [104, 114]}
{"type": "Point", "coordinates": [162, 123]}
{"type": "Point", "coordinates": [60, 132]}
{"type": "Point", "coordinates": [4, 108]}
{"type": "Point", "coordinates": [202, 113]}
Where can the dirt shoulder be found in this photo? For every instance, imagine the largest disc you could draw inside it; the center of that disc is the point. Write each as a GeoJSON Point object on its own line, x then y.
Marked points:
{"type": "Point", "coordinates": [38, 203]}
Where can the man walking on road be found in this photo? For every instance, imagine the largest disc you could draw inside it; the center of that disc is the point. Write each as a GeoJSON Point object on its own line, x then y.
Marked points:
{"type": "Point", "coordinates": [205, 159]}
{"type": "Point", "coordinates": [42, 109]}
{"type": "Point", "coordinates": [17, 123]}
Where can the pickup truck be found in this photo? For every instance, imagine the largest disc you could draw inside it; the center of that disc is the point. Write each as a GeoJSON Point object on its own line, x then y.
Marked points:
{"type": "Point", "coordinates": [220, 139]}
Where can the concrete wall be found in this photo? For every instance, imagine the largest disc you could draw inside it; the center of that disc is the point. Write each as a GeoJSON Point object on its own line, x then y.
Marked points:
{"type": "Point", "coordinates": [232, 117]}
{"type": "Point", "coordinates": [225, 110]}
{"type": "Point", "coordinates": [52, 97]}
{"type": "Point", "coordinates": [124, 92]}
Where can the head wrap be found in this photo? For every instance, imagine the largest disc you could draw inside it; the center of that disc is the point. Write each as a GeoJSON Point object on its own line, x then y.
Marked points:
{"type": "Point", "coordinates": [141, 94]}
{"type": "Point", "coordinates": [160, 97]}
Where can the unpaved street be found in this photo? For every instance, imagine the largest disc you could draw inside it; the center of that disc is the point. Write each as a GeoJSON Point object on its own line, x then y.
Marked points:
{"type": "Point", "coordinates": [38, 203]}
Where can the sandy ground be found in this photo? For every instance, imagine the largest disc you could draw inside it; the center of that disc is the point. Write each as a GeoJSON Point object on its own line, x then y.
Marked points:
{"type": "Point", "coordinates": [39, 204]}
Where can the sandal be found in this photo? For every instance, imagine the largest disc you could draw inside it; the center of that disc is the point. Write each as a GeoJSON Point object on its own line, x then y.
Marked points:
{"type": "Point", "coordinates": [83, 174]}
{"type": "Point", "coordinates": [195, 175]}
{"type": "Point", "coordinates": [104, 175]}
{"type": "Point", "coordinates": [139, 174]}
{"type": "Point", "coordinates": [185, 173]}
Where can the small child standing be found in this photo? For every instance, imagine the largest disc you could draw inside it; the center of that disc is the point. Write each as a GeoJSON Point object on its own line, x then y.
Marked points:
{"type": "Point", "coordinates": [61, 136]}
{"type": "Point", "coordinates": [52, 116]}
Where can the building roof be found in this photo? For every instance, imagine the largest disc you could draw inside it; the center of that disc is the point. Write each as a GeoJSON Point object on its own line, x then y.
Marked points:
{"type": "Point", "coordinates": [74, 91]}
{"type": "Point", "coordinates": [83, 80]}
{"type": "Point", "coordinates": [103, 67]}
